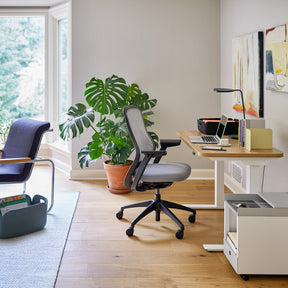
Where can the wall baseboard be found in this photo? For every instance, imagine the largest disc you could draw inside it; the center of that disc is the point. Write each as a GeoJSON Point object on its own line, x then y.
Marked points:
{"type": "Point", "coordinates": [88, 174]}
{"type": "Point", "coordinates": [94, 174]}
{"type": "Point", "coordinates": [233, 185]}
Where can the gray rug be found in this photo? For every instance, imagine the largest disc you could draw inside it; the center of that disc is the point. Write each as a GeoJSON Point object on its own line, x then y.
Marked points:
{"type": "Point", "coordinates": [33, 260]}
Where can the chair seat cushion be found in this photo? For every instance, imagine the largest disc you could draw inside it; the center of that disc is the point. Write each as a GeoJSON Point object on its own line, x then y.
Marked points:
{"type": "Point", "coordinates": [166, 172]}
{"type": "Point", "coordinates": [11, 173]}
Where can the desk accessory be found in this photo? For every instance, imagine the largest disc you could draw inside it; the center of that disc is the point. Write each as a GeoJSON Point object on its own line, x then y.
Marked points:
{"type": "Point", "coordinates": [224, 142]}
{"type": "Point", "coordinates": [215, 139]}
{"type": "Point", "coordinates": [217, 148]}
{"type": "Point", "coordinates": [257, 138]}
{"type": "Point", "coordinates": [209, 126]}
{"type": "Point", "coordinates": [228, 90]}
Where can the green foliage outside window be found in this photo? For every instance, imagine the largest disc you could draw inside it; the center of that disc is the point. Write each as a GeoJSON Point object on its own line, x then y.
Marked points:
{"type": "Point", "coordinates": [22, 59]}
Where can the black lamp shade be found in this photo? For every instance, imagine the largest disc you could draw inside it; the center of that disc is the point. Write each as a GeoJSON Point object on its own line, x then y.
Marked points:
{"type": "Point", "coordinates": [228, 90]}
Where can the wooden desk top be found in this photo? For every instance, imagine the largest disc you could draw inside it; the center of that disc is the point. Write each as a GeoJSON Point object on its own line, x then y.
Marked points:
{"type": "Point", "coordinates": [234, 151]}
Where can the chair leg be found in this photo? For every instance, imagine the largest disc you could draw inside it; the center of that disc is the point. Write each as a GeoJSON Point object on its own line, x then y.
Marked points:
{"type": "Point", "coordinates": [158, 205]}
{"type": "Point", "coordinates": [157, 212]}
{"type": "Point", "coordinates": [169, 213]}
{"type": "Point", "coordinates": [52, 177]}
{"type": "Point", "coordinates": [148, 210]}
{"type": "Point", "coordinates": [173, 205]}
{"type": "Point", "coordinates": [137, 204]}
{"type": "Point", "coordinates": [24, 187]}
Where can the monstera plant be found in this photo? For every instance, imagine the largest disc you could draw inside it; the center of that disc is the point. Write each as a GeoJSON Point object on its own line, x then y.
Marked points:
{"type": "Point", "coordinates": [103, 114]}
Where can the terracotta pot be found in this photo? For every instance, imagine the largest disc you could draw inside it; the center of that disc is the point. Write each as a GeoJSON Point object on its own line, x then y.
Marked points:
{"type": "Point", "coordinates": [115, 176]}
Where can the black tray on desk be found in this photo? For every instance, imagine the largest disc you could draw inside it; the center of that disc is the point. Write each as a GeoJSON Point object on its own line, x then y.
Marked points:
{"type": "Point", "coordinates": [209, 126]}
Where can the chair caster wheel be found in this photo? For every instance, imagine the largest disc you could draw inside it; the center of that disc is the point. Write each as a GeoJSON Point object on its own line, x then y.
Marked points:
{"type": "Point", "coordinates": [245, 277]}
{"type": "Point", "coordinates": [130, 231]}
{"type": "Point", "coordinates": [119, 214]}
{"type": "Point", "coordinates": [179, 234]}
{"type": "Point", "coordinates": [192, 218]}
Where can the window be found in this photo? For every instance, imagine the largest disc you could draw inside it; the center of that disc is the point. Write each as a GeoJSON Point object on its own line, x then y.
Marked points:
{"type": "Point", "coordinates": [34, 70]}
{"type": "Point", "coordinates": [22, 67]}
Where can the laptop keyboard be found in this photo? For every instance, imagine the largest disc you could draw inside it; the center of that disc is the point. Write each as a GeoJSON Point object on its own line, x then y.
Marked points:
{"type": "Point", "coordinates": [210, 139]}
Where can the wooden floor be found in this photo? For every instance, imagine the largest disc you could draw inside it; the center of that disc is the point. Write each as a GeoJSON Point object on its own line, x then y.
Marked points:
{"type": "Point", "coordinates": [99, 254]}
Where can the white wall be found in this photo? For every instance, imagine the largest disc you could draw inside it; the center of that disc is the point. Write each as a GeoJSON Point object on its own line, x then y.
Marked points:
{"type": "Point", "coordinates": [239, 18]}
{"type": "Point", "coordinates": [171, 48]}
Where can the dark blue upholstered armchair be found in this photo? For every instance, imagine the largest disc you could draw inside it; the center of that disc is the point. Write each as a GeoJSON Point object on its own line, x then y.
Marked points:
{"type": "Point", "coordinates": [20, 153]}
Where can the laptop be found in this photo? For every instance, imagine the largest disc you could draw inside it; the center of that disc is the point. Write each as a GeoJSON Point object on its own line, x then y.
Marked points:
{"type": "Point", "coordinates": [212, 139]}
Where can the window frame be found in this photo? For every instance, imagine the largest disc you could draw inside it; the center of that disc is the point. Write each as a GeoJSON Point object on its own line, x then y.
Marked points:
{"type": "Point", "coordinates": [55, 15]}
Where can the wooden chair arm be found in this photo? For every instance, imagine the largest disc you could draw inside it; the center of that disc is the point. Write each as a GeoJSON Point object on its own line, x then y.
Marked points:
{"type": "Point", "coordinates": [14, 160]}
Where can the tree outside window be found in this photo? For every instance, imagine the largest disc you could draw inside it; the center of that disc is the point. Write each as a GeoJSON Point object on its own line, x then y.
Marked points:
{"type": "Point", "coordinates": [22, 67]}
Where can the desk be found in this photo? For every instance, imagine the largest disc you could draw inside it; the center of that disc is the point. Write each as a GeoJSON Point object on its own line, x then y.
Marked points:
{"type": "Point", "coordinates": [254, 160]}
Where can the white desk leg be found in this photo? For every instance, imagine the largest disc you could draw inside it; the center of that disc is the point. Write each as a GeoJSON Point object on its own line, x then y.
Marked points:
{"type": "Point", "coordinates": [218, 189]}
{"type": "Point", "coordinates": [218, 200]}
{"type": "Point", "coordinates": [253, 178]}
{"type": "Point", "coordinates": [219, 184]}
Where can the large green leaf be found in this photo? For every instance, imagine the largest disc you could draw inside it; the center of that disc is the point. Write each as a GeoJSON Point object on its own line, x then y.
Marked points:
{"type": "Point", "coordinates": [80, 117]}
{"type": "Point", "coordinates": [84, 157]}
{"type": "Point", "coordinates": [106, 96]}
{"type": "Point", "coordinates": [118, 150]}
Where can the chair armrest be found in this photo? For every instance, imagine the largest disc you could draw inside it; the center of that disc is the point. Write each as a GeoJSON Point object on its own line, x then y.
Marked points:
{"type": "Point", "coordinates": [14, 160]}
{"type": "Point", "coordinates": [154, 153]}
{"type": "Point", "coordinates": [164, 144]}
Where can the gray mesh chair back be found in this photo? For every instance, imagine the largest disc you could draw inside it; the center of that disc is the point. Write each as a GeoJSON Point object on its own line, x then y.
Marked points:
{"type": "Point", "coordinates": [137, 130]}
{"type": "Point", "coordinates": [145, 174]}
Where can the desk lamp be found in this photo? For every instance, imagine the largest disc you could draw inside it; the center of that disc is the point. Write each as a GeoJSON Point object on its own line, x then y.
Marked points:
{"type": "Point", "coordinates": [228, 90]}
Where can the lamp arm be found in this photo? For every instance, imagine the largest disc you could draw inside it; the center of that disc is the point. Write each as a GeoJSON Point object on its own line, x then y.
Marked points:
{"type": "Point", "coordinates": [227, 90]}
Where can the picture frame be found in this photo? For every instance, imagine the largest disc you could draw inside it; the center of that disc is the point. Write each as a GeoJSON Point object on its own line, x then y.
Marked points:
{"type": "Point", "coordinates": [248, 66]}
{"type": "Point", "coordinates": [277, 58]}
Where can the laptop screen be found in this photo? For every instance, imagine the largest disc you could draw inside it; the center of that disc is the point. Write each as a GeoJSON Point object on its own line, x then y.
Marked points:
{"type": "Point", "coordinates": [221, 127]}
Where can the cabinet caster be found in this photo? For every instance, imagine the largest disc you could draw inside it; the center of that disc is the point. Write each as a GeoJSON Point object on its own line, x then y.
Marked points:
{"type": "Point", "coordinates": [245, 277]}
{"type": "Point", "coordinates": [119, 214]}
{"type": "Point", "coordinates": [130, 231]}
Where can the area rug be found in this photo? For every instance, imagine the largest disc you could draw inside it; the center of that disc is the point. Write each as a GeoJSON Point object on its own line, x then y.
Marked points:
{"type": "Point", "coordinates": [33, 260]}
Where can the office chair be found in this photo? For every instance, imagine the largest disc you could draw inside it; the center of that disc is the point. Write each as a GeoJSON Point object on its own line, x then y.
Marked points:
{"type": "Point", "coordinates": [20, 153]}
{"type": "Point", "coordinates": [143, 176]}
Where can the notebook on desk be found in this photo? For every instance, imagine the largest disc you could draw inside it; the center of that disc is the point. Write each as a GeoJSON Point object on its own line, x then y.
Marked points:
{"type": "Point", "coordinates": [212, 139]}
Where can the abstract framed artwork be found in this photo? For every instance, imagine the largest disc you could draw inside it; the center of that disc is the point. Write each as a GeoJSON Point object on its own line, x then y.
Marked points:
{"type": "Point", "coordinates": [249, 73]}
{"type": "Point", "coordinates": [277, 58]}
